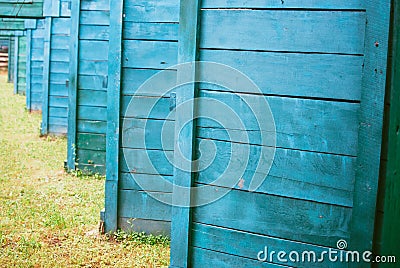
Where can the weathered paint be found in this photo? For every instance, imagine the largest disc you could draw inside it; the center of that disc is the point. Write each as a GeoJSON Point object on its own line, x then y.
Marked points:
{"type": "Point", "coordinates": [34, 64]}
{"type": "Point", "coordinates": [322, 185]}
{"type": "Point", "coordinates": [88, 86]}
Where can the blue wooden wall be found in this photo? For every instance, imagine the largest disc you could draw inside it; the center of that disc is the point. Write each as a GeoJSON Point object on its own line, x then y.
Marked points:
{"type": "Point", "coordinates": [34, 64]}
{"type": "Point", "coordinates": [11, 54]}
{"type": "Point", "coordinates": [20, 64]}
{"type": "Point", "coordinates": [148, 37]}
{"type": "Point", "coordinates": [56, 70]}
{"type": "Point", "coordinates": [88, 85]}
{"type": "Point", "coordinates": [321, 67]}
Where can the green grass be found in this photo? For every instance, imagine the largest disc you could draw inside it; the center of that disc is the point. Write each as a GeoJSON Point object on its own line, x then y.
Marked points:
{"type": "Point", "coordinates": [49, 218]}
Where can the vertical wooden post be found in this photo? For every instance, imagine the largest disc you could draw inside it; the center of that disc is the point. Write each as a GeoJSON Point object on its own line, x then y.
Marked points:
{"type": "Point", "coordinates": [388, 233]}
{"type": "Point", "coordinates": [46, 77]}
{"type": "Point", "coordinates": [184, 133]}
{"type": "Point", "coordinates": [113, 116]}
{"type": "Point", "coordinates": [10, 59]}
{"type": "Point", "coordinates": [73, 84]}
{"type": "Point", "coordinates": [28, 69]}
{"type": "Point", "coordinates": [16, 48]}
{"type": "Point", "coordinates": [370, 129]}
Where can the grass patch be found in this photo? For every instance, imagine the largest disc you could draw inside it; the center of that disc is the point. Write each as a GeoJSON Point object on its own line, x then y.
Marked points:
{"type": "Point", "coordinates": [48, 218]}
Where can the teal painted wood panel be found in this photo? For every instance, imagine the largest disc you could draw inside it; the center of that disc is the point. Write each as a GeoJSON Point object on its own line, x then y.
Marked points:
{"type": "Point", "coordinates": [35, 58]}
{"type": "Point", "coordinates": [57, 74]}
{"type": "Point", "coordinates": [292, 207]}
{"type": "Point", "coordinates": [31, 8]}
{"type": "Point", "coordinates": [148, 39]}
{"type": "Point", "coordinates": [11, 59]}
{"type": "Point", "coordinates": [88, 83]}
{"type": "Point", "coordinates": [20, 65]}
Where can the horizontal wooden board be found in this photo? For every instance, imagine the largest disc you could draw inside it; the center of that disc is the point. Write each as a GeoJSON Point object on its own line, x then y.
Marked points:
{"type": "Point", "coordinates": [60, 121]}
{"type": "Point", "coordinates": [95, 98]}
{"type": "Point", "coordinates": [286, 218]}
{"type": "Point", "coordinates": [58, 112]}
{"type": "Point", "coordinates": [279, 30]}
{"type": "Point", "coordinates": [58, 89]}
{"type": "Point", "coordinates": [89, 141]}
{"type": "Point", "coordinates": [89, 50]}
{"type": "Point", "coordinates": [147, 133]}
{"type": "Point", "coordinates": [59, 67]}
{"type": "Point", "coordinates": [150, 31]}
{"type": "Point", "coordinates": [94, 18]}
{"type": "Point", "coordinates": [293, 74]}
{"type": "Point", "coordinates": [61, 26]}
{"type": "Point", "coordinates": [146, 107]}
{"type": "Point", "coordinates": [58, 101]}
{"type": "Point", "coordinates": [91, 82]}
{"type": "Point", "coordinates": [145, 182]}
{"type": "Point", "coordinates": [275, 4]}
{"type": "Point", "coordinates": [149, 54]}
{"type": "Point", "coordinates": [142, 161]}
{"type": "Point", "coordinates": [94, 5]}
{"type": "Point", "coordinates": [151, 11]}
{"type": "Point", "coordinates": [94, 32]}
{"type": "Point", "coordinates": [59, 55]}
{"type": "Point", "coordinates": [133, 79]}
{"type": "Point", "coordinates": [60, 41]}
{"type": "Point", "coordinates": [310, 125]}
{"type": "Point", "coordinates": [141, 205]}
{"type": "Point", "coordinates": [92, 113]}
{"type": "Point", "coordinates": [87, 126]}
{"type": "Point", "coordinates": [330, 171]}
{"type": "Point", "coordinates": [94, 68]}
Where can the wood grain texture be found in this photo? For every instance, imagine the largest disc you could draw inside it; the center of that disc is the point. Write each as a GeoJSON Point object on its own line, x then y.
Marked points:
{"type": "Point", "coordinates": [279, 31]}
{"type": "Point", "coordinates": [113, 121]}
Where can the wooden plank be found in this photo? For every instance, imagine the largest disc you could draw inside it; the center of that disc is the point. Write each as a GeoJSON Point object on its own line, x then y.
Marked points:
{"type": "Point", "coordinates": [146, 182]}
{"type": "Point", "coordinates": [274, 4]}
{"type": "Point", "coordinates": [132, 79]}
{"type": "Point", "coordinates": [150, 31]}
{"type": "Point", "coordinates": [218, 259]}
{"type": "Point", "coordinates": [61, 26]}
{"type": "Point", "coordinates": [371, 122]}
{"type": "Point", "coordinates": [309, 125]}
{"type": "Point", "coordinates": [91, 82]}
{"type": "Point", "coordinates": [149, 54]}
{"type": "Point", "coordinates": [147, 134]}
{"type": "Point", "coordinates": [95, 98]}
{"type": "Point", "coordinates": [184, 133]}
{"type": "Point", "coordinates": [90, 50]}
{"type": "Point", "coordinates": [151, 11]}
{"type": "Point", "coordinates": [28, 70]}
{"type": "Point", "coordinates": [95, 68]}
{"type": "Point", "coordinates": [95, 5]}
{"type": "Point", "coordinates": [146, 107]}
{"type": "Point", "coordinates": [91, 141]}
{"type": "Point", "coordinates": [286, 218]}
{"type": "Point", "coordinates": [16, 47]}
{"type": "Point", "coordinates": [142, 205]}
{"type": "Point", "coordinates": [154, 162]}
{"type": "Point", "coordinates": [113, 121]}
{"type": "Point", "coordinates": [279, 30]}
{"type": "Point", "coordinates": [92, 113]}
{"type": "Point", "coordinates": [293, 74]}
{"type": "Point", "coordinates": [90, 32]}
{"type": "Point", "coordinates": [91, 157]}
{"type": "Point", "coordinates": [87, 126]}
{"type": "Point", "coordinates": [303, 175]}
{"type": "Point", "coordinates": [46, 77]}
{"type": "Point", "coordinates": [95, 17]}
